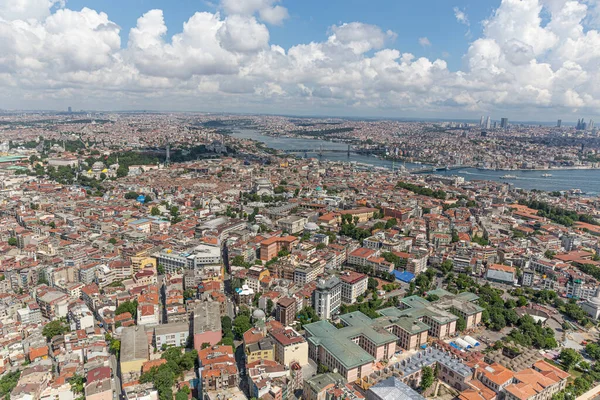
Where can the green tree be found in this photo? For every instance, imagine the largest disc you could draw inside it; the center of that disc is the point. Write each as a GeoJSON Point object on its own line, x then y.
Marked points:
{"type": "Point", "coordinates": [189, 294]}
{"type": "Point", "coordinates": [77, 382]}
{"type": "Point", "coordinates": [461, 324]}
{"type": "Point", "coordinates": [593, 350]}
{"type": "Point", "coordinates": [160, 269]}
{"type": "Point", "coordinates": [322, 369]}
{"type": "Point", "coordinates": [372, 284]}
{"type": "Point", "coordinates": [115, 346]}
{"type": "Point", "coordinates": [446, 266]}
{"type": "Point", "coordinates": [12, 241]}
{"type": "Point", "coordinates": [427, 378]}
{"type": "Point", "coordinates": [131, 195]}
{"type": "Point", "coordinates": [154, 211]}
{"type": "Point", "coordinates": [128, 306]}
{"type": "Point", "coordinates": [8, 382]}
{"type": "Point", "coordinates": [54, 328]}
{"type": "Point", "coordinates": [241, 324]}
{"type": "Point", "coordinates": [569, 358]}
{"type": "Point", "coordinates": [269, 306]}
{"type": "Point", "coordinates": [112, 241]}
{"type": "Point", "coordinates": [391, 223]}
{"type": "Point", "coordinates": [226, 324]}
{"type": "Point", "coordinates": [181, 395]}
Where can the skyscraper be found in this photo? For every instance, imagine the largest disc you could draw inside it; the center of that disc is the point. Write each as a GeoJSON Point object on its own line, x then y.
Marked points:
{"type": "Point", "coordinates": [488, 122]}
{"type": "Point", "coordinates": [70, 110]}
{"type": "Point", "coordinates": [481, 122]}
{"type": "Point", "coordinates": [504, 123]}
{"type": "Point", "coordinates": [559, 123]}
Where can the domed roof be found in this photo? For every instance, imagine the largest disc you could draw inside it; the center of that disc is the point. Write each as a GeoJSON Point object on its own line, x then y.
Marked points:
{"type": "Point", "coordinates": [596, 299]}
{"type": "Point", "coordinates": [311, 226]}
{"type": "Point", "coordinates": [258, 314]}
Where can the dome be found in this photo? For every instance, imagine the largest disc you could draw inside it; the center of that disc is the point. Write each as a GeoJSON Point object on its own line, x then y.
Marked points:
{"type": "Point", "coordinates": [596, 299]}
{"type": "Point", "coordinates": [255, 228]}
{"type": "Point", "coordinates": [258, 314]}
{"type": "Point", "coordinates": [311, 226]}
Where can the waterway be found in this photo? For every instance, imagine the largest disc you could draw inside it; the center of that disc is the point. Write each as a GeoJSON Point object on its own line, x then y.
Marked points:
{"type": "Point", "coordinates": [587, 180]}
{"type": "Point", "coordinates": [290, 143]}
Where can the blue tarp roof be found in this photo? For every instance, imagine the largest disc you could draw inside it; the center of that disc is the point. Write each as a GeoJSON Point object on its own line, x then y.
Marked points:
{"type": "Point", "coordinates": [404, 276]}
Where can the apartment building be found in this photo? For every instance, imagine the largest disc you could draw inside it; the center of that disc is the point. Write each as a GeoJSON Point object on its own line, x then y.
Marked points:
{"type": "Point", "coordinates": [354, 284]}
{"type": "Point", "coordinates": [327, 297]}
{"type": "Point", "coordinates": [292, 224]}
{"type": "Point", "coordinates": [285, 310]}
{"type": "Point", "coordinates": [290, 347]}
{"type": "Point", "coordinates": [269, 248]}
{"type": "Point", "coordinates": [176, 334]}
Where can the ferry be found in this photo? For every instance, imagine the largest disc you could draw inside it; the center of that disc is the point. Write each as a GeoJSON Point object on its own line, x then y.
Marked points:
{"type": "Point", "coordinates": [507, 176]}
{"type": "Point", "coordinates": [546, 175]}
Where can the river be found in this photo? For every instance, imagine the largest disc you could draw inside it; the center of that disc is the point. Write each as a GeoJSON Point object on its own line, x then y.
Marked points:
{"type": "Point", "coordinates": [587, 180]}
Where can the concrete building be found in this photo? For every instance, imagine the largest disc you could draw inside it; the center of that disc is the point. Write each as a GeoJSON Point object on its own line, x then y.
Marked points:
{"type": "Point", "coordinates": [579, 289]}
{"type": "Point", "coordinates": [440, 316]}
{"type": "Point", "coordinates": [528, 276]}
{"type": "Point", "coordinates": [329, 386]}
{"type": "Point", "coordinates": [292, 224]}
{"type": "Point", "coordinates": [352, 349]}
{"type": "Point", "coordinates": [354, 284]}
{"type": "Point", "coordinates": [392, 388]}
{"type": "Point", "coordinates": [30, 314]}
{"type": "Point", "coordinates": [269, 248]}
{"type": "Point", "coordinates": [540, 382]}
{"type": "Point", "coordinates": [327, 297]}
{"type": "Point", "coordinates": [194, 258]}
{"type": "Point", "coordinates": [206, 325]}
{"type": "Point", "coordinates": [172, 334]}
{"type": "Point", "coordinates": [591, 306]}
{"type": "Point", "coordinates": [263, 349]}
{"type": "Point", "coordinates": [501, 273]}
{"type": "Point", "coordinates": [451, 370]}
{"type": "Point", "coordinates": [289, 347]}
{"type": "Point", "coordinates": [285, 310]}
{"type": "Point", "coordinates": [254, 276]}
{"type": "Point", "coordinates": [134, 352]}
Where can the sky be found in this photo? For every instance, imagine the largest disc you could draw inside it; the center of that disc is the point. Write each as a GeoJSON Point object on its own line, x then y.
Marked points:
{"type": "Point", "coordinates": [521, 59]}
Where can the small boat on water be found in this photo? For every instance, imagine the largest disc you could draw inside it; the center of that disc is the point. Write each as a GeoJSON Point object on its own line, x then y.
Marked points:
{"type": "Point", "coordinates": [508, 176]}
{"type": "Point", "coordinates": [546, 175]}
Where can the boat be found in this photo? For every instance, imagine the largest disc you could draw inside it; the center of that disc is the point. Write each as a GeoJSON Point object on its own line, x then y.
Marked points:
{"type": "Point", "coordinates": [546, 175]}
{"type": "Point", "coordinates": [508, 176]}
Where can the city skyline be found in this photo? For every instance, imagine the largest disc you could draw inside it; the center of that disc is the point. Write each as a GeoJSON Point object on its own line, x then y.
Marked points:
{"type": "Point", "coordinates": [529, 59]}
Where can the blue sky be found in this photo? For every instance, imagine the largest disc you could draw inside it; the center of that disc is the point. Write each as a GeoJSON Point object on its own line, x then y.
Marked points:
{"type": "Point", "coordinates": [310, 20]}
{"type": "Point", "coordinates": [524, 59]}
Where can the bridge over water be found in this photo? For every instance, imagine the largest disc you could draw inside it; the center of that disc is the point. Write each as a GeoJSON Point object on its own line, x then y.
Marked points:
{"type": "Point", "coordinates": [436, 169]}
{"type": "Point", "coordinates": [350, 149]}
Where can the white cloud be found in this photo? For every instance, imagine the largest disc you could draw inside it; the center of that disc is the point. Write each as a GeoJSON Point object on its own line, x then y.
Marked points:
{"type": "Point", "coordinates": [27, 9]}
{"type": "Point", "coordinates": [423, 41]}
{"type": "Point", "coordinates": [267, 9]}
{"type": "Point", "coordinates": [274, 15]}
{"type": "Point", "coordinates": [461, 16]}
{"type": "Point", "coordinates": [50, 54]}
{"type": "Point", "coordinates": [360, 37]}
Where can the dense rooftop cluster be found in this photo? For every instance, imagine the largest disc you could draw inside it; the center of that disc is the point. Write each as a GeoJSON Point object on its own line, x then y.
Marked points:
{"type": "Point", "coordinates": [229, 269]}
